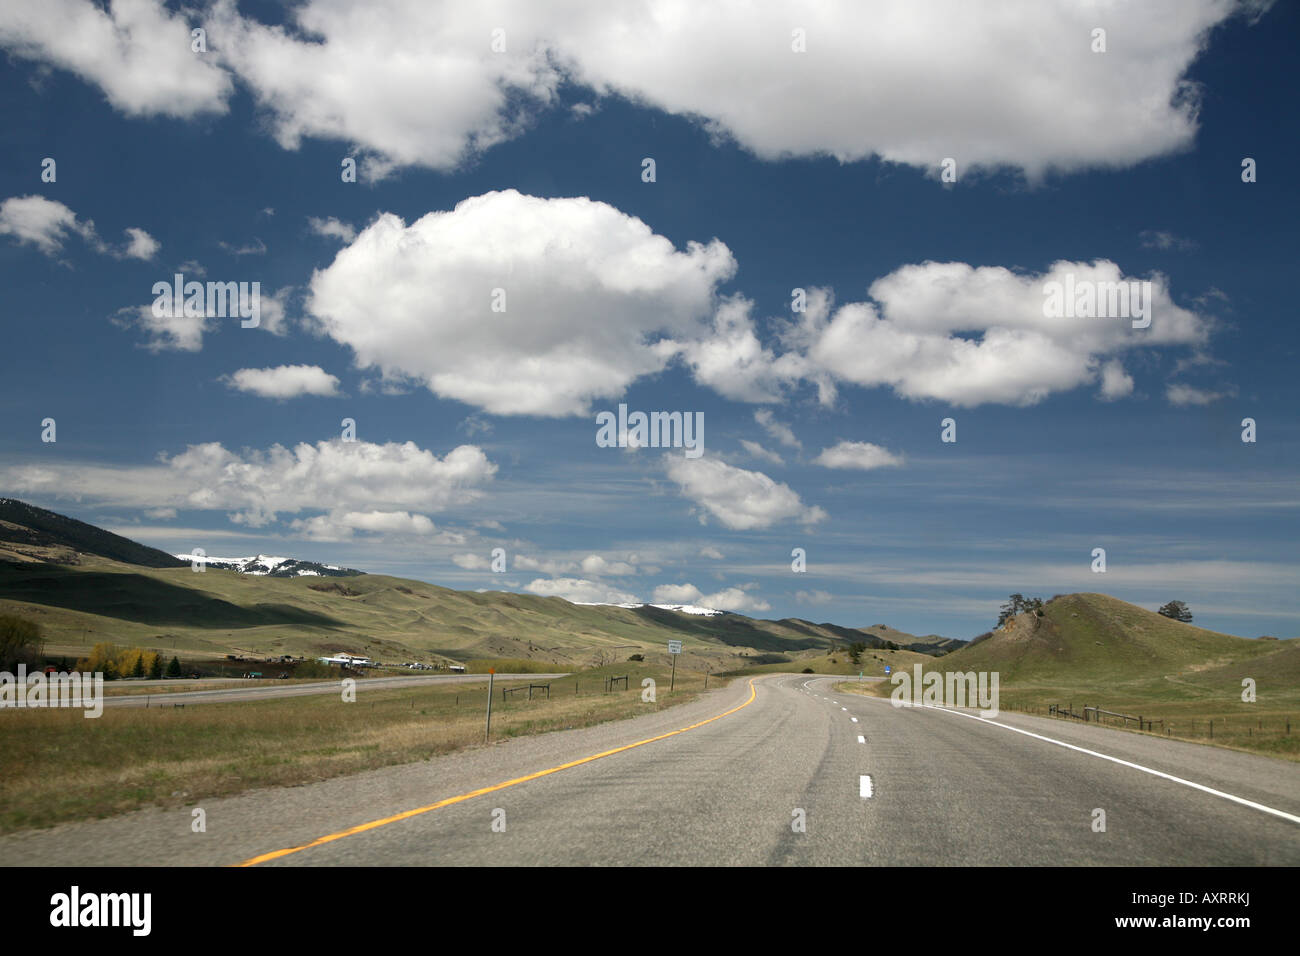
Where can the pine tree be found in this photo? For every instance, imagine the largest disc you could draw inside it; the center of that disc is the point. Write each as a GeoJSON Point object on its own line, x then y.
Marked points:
{"type": "Point", "coordinates": [138, 669]}
{"type": "Point", "coordinates": [174, 668]}
{"type": "Point", "coordinates": [156, 667]}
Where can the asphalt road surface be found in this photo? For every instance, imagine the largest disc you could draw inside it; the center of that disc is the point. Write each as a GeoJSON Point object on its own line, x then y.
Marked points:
{"type": "Point", "coordinates": [780, 770]}
{"type": "Point", "coordinates": [264, 691]}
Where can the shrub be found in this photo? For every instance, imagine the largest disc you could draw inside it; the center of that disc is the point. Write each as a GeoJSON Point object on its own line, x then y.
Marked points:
{"type": "Point", "coordinates": [311, 668]}
{"type": "Point", "coordinates": [809, 670]}
{"type": "Point", "coordinates": [637, 657]}
{"type": "Point", "coordinates": [21, 642]}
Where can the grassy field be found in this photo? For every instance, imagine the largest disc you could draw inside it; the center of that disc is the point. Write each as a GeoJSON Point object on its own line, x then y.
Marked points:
{"type": "Point", "coordinates": [57, 766]}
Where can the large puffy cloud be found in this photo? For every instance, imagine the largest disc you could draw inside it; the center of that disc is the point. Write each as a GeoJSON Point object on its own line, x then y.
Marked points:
{"type": "Point", "coordinates": [415, 82]}
{"type": "Point", "coordinates": [1015, 84]}
{"type": "Point", "coordinates": [586, 291]}
{"type": "Point", "coordinates": [345, 475]}
{"type": "Point", "coordinates": [138, 52]}
{"type": "Point", "coordinates": [411, 82]}
{"type": "Point", "coordinates": [969, 336]}
{"type": "Point", "coordinates": [742, 500]}
{"type": "Point", "coordinates": [360, 483]}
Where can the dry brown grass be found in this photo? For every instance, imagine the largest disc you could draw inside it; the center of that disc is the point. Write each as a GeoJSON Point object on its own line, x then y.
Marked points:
{"type": "Point", "coordinates": [56, 765]}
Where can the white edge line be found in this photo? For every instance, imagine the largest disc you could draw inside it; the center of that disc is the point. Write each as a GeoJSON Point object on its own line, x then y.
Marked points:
{"type": "Point", "coordinates": [1125, 763]}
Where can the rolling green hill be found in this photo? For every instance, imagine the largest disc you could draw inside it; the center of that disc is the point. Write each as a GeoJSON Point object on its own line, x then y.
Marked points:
{"type": "Point", "coordinates": [1095, 640]}
{"type": "Point", "coordinates": [1092, 650]}
{"type": "Point", "coordinates": [214, 613]}
{"type": "Point", "coordinates": [84, 585]}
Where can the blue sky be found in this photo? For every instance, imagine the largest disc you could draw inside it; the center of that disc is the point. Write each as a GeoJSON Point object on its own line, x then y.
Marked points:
{"type": "Point", "coordinates": [774, 170]}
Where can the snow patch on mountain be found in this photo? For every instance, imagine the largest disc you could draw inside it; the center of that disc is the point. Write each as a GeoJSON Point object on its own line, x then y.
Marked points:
{"type": "Point", "coordinates": [683, 608]}
{"type": "Point", "coordinates": [272, 566]}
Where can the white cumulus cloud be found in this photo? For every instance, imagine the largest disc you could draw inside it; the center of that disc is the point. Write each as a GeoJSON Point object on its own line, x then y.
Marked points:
{"type": "Point", "coordinates": [580, 591]}
{"type": "Point", "coordinates": [857, 454]}
{"type": "Point", "coordinates": [585, 288]}
{"type": "Point", "coordinates": [742, 500]}
{"type": "Point", "coordinates": [284, 381]}
{"type": "Point", "coordinates": [733, 599]}
{"type": "Point", "coordinates": [970, 336]}
{"type": "Point", "coordinates": [1018, 86]}
{"type": "Point", "coordinates": [137, 51]}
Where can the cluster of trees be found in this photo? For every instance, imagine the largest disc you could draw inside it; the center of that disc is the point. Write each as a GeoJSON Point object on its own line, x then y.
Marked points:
{"type": "Point", "coordinates": [1178, 611]}
{"type": "Point", "coordinates": [1017, 604]}
{"type": "Point", "coordinates": [113, 662]}
{"type": "Point", "coordinates": [22, 642]}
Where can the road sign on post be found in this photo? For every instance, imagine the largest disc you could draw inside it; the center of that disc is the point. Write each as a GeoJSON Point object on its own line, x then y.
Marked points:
{"type": "Point", "coordinates": [886, 668]}
{"type": "Point", "coordinates": [674, 648]}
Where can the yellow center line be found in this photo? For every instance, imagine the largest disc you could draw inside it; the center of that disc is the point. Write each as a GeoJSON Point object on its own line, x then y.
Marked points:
{"type": "Point", "coordinates": [407, 814]}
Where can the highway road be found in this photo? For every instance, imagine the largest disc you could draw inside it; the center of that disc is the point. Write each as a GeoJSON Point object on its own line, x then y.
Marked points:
{"type": "Point", "coordinates": [262, 691]}
{"type": "Point", "coordinates": [729, 778]}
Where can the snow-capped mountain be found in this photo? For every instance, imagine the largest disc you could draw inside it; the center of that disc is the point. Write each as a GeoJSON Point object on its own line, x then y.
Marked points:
{"type": "Point", "coordinates": [270, 566]}
{"type": "Point", "coordinates": [682, 608]}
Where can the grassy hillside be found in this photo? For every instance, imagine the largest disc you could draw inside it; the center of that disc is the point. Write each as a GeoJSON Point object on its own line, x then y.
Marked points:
{"type": "Point", "coordinates": [214, 613]}
{"type": "Point", "coordinates": [1094, 640]}
{"type": "Point", "coordinates": [85, 585]}
{"type": "Point", "coordinates": [837, 662]}
{"type": "Point", "coordinates": [929, 644]}
{"type": "Point", "coordinates": [36, 531]}
{"type": "Point", "coordinates": [1092, 650]}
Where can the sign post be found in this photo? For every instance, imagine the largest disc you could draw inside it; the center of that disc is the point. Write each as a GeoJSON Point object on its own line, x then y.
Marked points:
{"type": "Point", "coordinates": [487, 737]}
{"type": "Point", "coordinates": [674, 648]}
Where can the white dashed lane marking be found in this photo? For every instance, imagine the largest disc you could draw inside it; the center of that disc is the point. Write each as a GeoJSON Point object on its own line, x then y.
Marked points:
{"type": "Point", "coordinates": [864, 786]}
